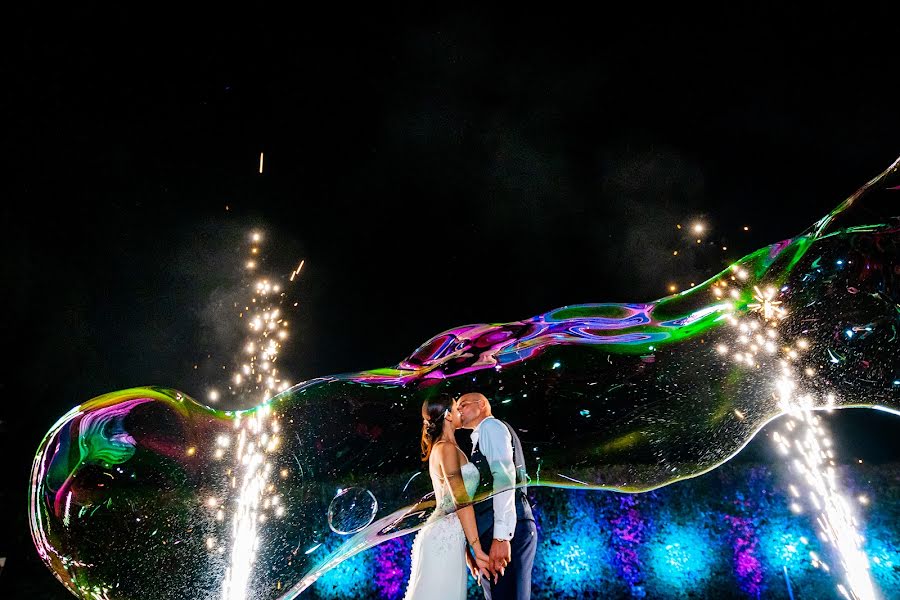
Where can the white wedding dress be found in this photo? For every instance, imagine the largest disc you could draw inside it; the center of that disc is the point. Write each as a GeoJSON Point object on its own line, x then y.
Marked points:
{"type": "Point", "coordinates": [439, 570]}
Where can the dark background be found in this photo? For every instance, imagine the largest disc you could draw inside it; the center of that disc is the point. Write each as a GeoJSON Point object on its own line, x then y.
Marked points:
{"type": "Point", "coordinates": [432, 171]}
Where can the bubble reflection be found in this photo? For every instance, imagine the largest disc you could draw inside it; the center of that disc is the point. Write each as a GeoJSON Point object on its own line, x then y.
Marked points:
{"type": "Point", "coordinates": [125, 489]}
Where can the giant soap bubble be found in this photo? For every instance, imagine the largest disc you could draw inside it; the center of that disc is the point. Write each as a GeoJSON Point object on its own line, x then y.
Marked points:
{"type": "Point", "coordinates": [145, 493]}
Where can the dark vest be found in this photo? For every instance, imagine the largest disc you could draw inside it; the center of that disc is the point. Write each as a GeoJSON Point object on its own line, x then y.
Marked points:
{"type": "Point", "coordinates": [484, 509]}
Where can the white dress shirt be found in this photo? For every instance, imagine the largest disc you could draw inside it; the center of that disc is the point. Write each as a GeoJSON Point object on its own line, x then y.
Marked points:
{"type": "Point", "coordinates": [494, 441]}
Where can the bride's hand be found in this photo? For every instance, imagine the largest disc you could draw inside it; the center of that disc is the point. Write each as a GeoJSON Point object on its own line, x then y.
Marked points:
{"type": "Point", "coordinates": [472, 564]}
{"type": "Point", "coordinates": [481, 558]}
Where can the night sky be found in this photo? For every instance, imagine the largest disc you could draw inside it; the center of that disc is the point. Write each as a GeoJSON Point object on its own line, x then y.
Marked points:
{"type": "Point", "coordinates": [432, 171]}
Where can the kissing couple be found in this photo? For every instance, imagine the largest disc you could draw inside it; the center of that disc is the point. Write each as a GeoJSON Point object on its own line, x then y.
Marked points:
{"type": "Point", "coordinates": [495, 540]}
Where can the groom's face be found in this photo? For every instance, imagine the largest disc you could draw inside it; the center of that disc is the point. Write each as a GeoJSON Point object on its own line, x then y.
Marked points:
{"type": "Point", "coordinates": [469, 408]}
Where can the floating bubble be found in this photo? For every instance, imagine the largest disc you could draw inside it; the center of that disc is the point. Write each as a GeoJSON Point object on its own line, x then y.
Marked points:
{"type": "Point", "coordinates": [352, 510]}
{"type": "Point", "coordinates": [134, 494]}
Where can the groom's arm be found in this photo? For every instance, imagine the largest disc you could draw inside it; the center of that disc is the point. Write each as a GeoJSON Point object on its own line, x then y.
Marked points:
{"type": "Point", "coordinates": [495, 443]}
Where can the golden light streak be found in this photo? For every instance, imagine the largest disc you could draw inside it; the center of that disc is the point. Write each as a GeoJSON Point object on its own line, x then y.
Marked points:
{"type": "Point", "coordinates": [296, 271]}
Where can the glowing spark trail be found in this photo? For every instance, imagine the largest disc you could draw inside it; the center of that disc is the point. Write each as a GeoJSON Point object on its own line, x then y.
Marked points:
{"type": "Point", "coordinates": [296, 271]}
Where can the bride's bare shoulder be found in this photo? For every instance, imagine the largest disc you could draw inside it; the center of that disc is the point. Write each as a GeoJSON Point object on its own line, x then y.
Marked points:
{"type": "Point", "coordinates": [447, 454]}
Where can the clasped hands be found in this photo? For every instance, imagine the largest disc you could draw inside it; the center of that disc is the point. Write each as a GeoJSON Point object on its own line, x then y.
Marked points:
{"type": "Point", "coordinates": [492, 565]}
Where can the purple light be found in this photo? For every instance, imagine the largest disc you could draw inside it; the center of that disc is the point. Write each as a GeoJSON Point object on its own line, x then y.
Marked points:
{"type": "Point", "coordinates": [628, 530]}
{"type": "Point", "coordinates": [744, 543]}
{"type": "Point", "coordinates": [392, 568]}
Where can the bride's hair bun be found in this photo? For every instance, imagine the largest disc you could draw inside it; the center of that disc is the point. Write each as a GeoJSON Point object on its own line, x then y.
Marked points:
{"type": "Point", "coordinates": [434, 412]}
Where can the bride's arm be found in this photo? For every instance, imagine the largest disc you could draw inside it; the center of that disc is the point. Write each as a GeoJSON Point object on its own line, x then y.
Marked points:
{"type": "Point", "coordinates": [450, 468]}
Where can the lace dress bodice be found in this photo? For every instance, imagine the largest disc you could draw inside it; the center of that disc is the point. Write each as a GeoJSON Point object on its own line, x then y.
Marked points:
{"type": "Point", "coordinates": [443, 495]}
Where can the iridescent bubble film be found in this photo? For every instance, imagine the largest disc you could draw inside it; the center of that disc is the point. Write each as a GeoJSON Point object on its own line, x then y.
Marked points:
{"type": "Point", "coordinates": [145, 493]}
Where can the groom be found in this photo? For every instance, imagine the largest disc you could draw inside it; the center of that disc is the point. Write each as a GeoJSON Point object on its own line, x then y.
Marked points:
{"type": "Point", "coordinates": [506, 524]}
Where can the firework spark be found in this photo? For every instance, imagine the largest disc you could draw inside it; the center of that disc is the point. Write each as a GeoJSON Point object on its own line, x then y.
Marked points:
{"type": "Point", "coordinates": [766, 304]}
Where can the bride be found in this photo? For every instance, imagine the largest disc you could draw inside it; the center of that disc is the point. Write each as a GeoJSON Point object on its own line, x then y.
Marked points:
{"type": "Point", "coordinates": [440, 553]}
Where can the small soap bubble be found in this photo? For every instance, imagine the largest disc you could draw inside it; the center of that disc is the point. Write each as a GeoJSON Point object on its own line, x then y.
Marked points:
{"type": "Point", "coordinates": [351, 510]}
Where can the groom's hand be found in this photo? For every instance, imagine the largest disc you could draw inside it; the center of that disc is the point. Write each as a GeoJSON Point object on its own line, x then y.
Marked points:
{"type": "Point", "coordinates": [501, 554]}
